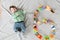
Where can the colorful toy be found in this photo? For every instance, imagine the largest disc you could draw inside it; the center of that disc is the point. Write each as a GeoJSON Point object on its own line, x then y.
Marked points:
{"type": "Point", "coordinates": [35, 29]}
{"type": "Point", "coordinates": [46, 37]}
{"type": "Point", "coordinates": [53, 32]}
{"type": "Point", "coordinates": [36, 19]}
{"type": "Point", "coordinates": [50, 21]}
{"type": "Point", "coordinates": [53, 29]}
{"type": "Point", "coordinates": [44, 20]}
{"type": "Point", "coordinates": [41, 8]}
{"type": "Point", "coordinates": [36, 12]}
{"type": "Point", "coordinates": [52, 36]}
{"type": "Point", "coordinates": [36, 32]}
{"type": "Point", "coordinates": [39, 36]}
{"type": "Point", "coordinates": [50, 9]}
{"type": "Point", "coordinates": [39, 22]}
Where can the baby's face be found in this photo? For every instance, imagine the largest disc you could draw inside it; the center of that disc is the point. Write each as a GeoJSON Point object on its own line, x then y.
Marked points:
{"type": "Point", "coordinates": [13, 10]}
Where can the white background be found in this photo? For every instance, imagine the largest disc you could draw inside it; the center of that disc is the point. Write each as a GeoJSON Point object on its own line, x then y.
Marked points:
{"type": "Point", "coordinates": [6, 28]}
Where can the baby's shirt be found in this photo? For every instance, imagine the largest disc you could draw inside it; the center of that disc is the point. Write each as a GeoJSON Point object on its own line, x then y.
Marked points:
{"type": "Point", "coordinates": [18, 16]}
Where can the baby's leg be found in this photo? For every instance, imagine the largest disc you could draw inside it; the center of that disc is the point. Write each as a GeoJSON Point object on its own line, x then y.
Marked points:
{"type": "Point", "coordinates": [19, 35]}
{"type": "Point", "coordinates": [23, 27]}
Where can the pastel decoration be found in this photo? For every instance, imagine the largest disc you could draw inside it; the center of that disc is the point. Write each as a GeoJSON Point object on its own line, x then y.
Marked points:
{"type": "Point", "coordinates": [46, 37]}
{"type": "Point", "coordinates": [44, 20]}
{"type": "Point", "coordinates": [52, 36]}
{"type": "Point", "coordinates": [48, 7]}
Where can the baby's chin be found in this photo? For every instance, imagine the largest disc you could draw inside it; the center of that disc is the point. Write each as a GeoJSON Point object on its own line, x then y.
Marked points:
{"type": "Point", "coordinates": [12, 11]}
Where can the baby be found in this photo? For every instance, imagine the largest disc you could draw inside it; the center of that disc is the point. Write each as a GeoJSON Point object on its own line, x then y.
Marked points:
{"type": "Point", "coordinates": [18, 16]}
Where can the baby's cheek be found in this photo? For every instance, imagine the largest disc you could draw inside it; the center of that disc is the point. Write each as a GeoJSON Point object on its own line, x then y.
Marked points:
{"type": "Point", "coordinates": [12, 11]}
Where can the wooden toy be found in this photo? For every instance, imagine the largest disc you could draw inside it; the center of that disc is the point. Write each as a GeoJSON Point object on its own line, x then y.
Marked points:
{"type": "Point", "coordinates": [46, 37]}
{"type": "Point", "coordinates": [44, 20]}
